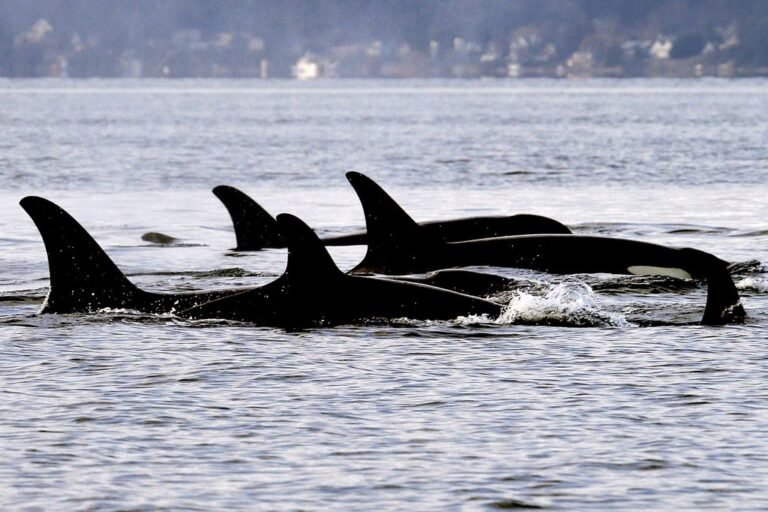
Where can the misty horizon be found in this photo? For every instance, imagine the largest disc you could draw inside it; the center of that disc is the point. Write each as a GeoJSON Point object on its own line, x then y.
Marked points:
{"type": "Point", "coordinates": [383, 38]}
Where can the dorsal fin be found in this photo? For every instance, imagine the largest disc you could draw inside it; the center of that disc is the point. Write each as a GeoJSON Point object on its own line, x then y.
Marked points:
{"type": "Point", "coordinates": [308, 259]}
{"type": "Point", "coordinates": [83, 277]}
{"type": "Point", "coordinates": [255, 228]}
{"type": "Point", "coordinates": [393, 236]}
{"type": "Point", "coordinates": [383, 216]}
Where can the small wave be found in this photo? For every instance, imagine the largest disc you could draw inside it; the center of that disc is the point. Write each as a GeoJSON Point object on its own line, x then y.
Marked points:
{"type": "Point", "coordinates": [206, 274]}
{"type": "Point", "coordinates": [474, 320]}
{"type": "Point", "coordinates": [510, 504]}
{"type": "Point", "coordinates": [697, 230]}
{"type": "Point", "coordinates": [757, 233]}
{"type": "Point", "coordinates": [746, 267]}
{"type": "Point", "coordinates": [753, 284]}
{"type": "Point", "coordinates": [453, 161]}
{"type": "Point", "coordinates": [642, 229]}
{"type": "Point", "coordinates": [119, 311]}
{"type": "Point", "coordinates": [174, 244]}
{"type": "Point", "coordinates": [565, 304]}
{"type": "Point", "coordinates": [23, 296]}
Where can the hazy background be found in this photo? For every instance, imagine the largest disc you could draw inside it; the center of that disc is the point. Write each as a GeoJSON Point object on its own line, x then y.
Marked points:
{"type": "Point", "coordinates": [383, 38]}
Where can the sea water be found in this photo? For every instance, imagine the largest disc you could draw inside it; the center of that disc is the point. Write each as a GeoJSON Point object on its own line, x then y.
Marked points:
{"type": "Point", "coordinates": [123, 411]}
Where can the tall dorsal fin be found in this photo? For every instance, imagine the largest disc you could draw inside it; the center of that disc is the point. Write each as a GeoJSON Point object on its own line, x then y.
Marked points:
{"type": "Point", "coordinates": [308, 259]}
{"type": "Point", "coordinates": [83, 277]}
{"type": "Point", "coordinates": [255, 228]}
{"type": "Point", "coordinates": [383, 216]}
{"type": "Point", "coordinates": [393, 236]}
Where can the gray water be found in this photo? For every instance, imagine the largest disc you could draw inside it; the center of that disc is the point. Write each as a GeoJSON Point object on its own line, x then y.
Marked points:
{"type": "Point", "coordinates": [122, 411]}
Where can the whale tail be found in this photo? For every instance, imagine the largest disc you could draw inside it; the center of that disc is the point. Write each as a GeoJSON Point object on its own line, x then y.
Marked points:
{"type": "Point", "coordinates": [255, 228]}
{"type": "Point", "coordinates": [723, 300]}
{"type": "Point", "coordinates": [395, 241]}
{"type": "Point", "coordinates": [82, 276]}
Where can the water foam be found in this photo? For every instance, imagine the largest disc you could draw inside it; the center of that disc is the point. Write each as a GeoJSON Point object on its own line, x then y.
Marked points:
{"type": "Point", "coordinates": [570, 303]}
{"type": "Point", "coordinates": [753, 284]}
{"type": "Point", "coordinates": [474, 320]}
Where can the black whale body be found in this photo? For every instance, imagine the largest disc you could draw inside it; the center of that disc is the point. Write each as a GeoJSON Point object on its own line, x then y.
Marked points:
{"type": "Point", "coordinates": [83, 278]}
{"type": "Point", "coordinates": [396, 245]}
{"type": "Point", "coordinates": [256, 229]}
{"type": "Point", "coordinates": [312, 291]}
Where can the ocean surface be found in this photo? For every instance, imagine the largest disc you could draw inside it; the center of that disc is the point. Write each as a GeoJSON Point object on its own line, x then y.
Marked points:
{"type": "Point", "coordinates": [118, 410]}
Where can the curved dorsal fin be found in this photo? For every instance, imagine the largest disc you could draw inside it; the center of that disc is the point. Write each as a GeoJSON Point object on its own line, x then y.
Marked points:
{"type": "Point", "coordinates": [255, 228]}
{"type": "Point", "coordinates": [393, 236]}
{"type": "Point", "coordinates": [83, 277]}
{"type": "Point", "coordinates": [308, 259]}
{"type": "Point", "coordinates": [383, 216]}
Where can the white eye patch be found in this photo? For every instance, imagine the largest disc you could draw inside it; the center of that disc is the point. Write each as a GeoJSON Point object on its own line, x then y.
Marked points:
{"type": "Point", "coordinates": [642, 270]}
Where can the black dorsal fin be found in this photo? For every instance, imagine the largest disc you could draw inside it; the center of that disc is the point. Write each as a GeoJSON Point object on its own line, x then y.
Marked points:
{"type": "Point", "coordinates": [83, 277]}
{"type": "Point", "coordinates": [308, 259]}
{"type": "Point", "coordinates": [255, 228]}
{"type": "Point", "coordinates": [383, 216]}
{"type": "Point", "coordinates": [394, 238]}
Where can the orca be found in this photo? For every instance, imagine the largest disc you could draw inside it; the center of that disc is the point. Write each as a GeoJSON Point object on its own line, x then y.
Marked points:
{"type": "Point", "coordinates": [84, 279]}
{"type": "Point", "coordinates": [397, 246]}
{"type": "Point", "coordinates": [256, 229]}
{"type": "Point", "coordinates": [312, 291]}
{"type": "Point", "coordinates": [479, 284]}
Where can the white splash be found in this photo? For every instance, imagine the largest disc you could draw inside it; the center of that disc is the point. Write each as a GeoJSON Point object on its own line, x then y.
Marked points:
{"type": "Point", "coordinates": [753, 284]}
{"type": "Point", "coordinates": [568, 303]}
{"type": "Point", "coordinates": [474, 320]}
{"type": "Point", "coordinates": [117, 311]}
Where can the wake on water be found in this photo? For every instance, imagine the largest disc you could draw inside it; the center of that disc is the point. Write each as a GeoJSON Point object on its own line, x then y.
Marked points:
{"type": "Point", "coordinates": [568, 304]}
